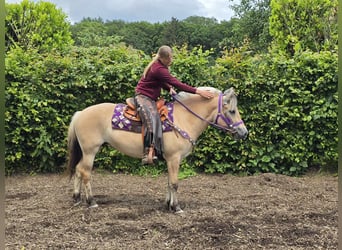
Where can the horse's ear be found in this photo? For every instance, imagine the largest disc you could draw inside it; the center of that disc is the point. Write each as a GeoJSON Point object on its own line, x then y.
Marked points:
{"type": "Point", "coordinates": [229, 91]}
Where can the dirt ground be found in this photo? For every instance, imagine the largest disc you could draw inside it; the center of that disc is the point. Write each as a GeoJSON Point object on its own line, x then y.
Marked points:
{"type": "Point", "coordinates": [220, 212]}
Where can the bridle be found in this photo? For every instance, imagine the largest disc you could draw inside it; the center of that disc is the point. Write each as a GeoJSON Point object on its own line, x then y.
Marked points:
{"type": "Point", "coordinates": [231, 126]}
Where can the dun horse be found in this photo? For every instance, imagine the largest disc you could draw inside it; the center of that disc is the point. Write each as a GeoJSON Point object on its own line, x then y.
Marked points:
{"type": "Point", "coordinates": [192, 114]}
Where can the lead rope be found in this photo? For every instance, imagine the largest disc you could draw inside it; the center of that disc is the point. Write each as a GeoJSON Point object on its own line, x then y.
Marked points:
{"type": "Point", "coordinates": [230, 127]}
{"type": "Point", "coordinates": [183, 133]}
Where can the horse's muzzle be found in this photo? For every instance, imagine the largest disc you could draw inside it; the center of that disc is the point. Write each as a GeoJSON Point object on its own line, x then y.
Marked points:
{"type": "Point", "coordinates": [241, 133]}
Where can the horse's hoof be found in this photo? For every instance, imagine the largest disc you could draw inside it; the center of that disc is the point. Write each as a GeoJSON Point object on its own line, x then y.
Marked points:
{"type": "Point", "coordinates": [93, 206]}
{"type": "Point", "coordinates": [77, 199]}
{"type": "Point", "coordinates": [176, 209]}
{"type": "Point", "coordinates": [91, 203]}
{"type": "Point", "coordinates": [179, 210]}
{"type": "Point", "coordinates": [77, 203]}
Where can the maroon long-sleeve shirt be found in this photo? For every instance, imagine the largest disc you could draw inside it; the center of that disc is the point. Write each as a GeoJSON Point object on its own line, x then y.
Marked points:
{"type": "Point", "coordinates": [159, 77]}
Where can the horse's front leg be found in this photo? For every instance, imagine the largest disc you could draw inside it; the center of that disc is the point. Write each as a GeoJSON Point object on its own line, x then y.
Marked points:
{"type": "Point", "coordinates": [171, 196]}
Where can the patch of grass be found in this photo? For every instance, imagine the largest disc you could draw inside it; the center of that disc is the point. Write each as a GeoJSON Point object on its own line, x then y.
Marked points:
{"type": "Point", "coordinates": [186, 172]}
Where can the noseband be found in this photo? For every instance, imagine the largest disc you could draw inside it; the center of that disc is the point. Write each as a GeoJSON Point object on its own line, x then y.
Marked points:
{"type": "Point", "coordinates": [230, 125]}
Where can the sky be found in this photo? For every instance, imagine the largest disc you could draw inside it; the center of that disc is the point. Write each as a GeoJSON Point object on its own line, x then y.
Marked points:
{"type": "Point", "coordinates": [152, 11]}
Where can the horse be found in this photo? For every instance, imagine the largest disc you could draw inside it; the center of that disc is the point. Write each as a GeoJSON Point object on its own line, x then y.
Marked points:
{"type": "Point", "coordinates": [192, 114]}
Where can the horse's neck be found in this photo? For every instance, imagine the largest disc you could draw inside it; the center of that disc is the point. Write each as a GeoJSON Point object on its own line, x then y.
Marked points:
{"type": "Point", "coordinates": [188, 121]}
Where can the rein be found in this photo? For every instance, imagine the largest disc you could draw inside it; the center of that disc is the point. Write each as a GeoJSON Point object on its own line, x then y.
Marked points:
{"type": "Point", "coordinates": [227, 121]}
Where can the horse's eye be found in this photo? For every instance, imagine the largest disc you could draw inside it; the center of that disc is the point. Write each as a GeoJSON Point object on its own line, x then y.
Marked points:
{"type": "Point", "coordinates": [232, 112]}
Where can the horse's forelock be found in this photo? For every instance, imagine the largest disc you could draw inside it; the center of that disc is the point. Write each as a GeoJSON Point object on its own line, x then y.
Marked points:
{"type": "Point", "coordinates": [231, 96]}
{"type": "Point", "coordinates": [233, 101]}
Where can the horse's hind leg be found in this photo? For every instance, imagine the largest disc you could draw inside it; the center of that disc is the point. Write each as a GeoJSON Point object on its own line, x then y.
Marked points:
{"type": "Point", "coordinates": [171, 196]}
{"type": "Point", "coordinates": [77, 188]}
{"type": "Point", "coordinates": [83, 174]}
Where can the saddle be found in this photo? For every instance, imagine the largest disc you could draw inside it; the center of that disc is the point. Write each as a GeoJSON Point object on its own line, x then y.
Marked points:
{"type": "Point", "coordinates": [131, 111]}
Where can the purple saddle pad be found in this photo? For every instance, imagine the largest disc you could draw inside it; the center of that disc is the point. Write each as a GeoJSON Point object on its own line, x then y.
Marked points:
{"type": "Point", "coordinates": [119, 121]}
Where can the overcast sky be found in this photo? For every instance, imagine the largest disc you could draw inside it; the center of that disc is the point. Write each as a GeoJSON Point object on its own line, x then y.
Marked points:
{"type": "Point", "coordinates": [142, 10]}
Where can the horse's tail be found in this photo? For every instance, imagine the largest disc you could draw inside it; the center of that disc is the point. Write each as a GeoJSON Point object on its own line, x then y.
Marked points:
{"type": "Point", "coordinates": [74, 149]}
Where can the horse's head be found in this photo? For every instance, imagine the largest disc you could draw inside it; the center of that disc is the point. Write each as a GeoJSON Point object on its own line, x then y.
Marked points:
{"type": "Point", "coordinates": [228, 115]}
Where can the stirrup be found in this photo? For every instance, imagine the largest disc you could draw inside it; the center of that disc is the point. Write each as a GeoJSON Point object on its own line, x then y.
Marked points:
{"type": "Point", "coordinates": [149, 157]}
{"type": "Point", "coordinates": [145, 160]}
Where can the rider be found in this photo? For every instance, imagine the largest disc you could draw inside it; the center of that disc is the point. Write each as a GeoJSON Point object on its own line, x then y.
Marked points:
{"type": "Point", "coordinates": [155, 77]}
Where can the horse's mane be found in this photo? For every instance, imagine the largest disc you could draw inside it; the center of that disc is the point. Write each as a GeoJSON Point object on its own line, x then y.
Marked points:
{"type": "Point", "coordinates": [185, 95]}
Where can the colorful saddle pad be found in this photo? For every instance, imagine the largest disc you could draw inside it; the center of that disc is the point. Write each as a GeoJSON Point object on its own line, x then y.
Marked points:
{"type": "Point", "coordinates": [119, 121]}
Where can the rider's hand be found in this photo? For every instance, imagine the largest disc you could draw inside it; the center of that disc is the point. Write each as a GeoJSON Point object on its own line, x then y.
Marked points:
{"type": "Point", "coordinates": [205, 93]}
{"type": "Point", "coordinates": [172, 91]}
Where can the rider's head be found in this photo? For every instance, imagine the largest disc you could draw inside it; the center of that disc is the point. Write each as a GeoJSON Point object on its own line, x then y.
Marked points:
{"type": "Point", "coordinates": [165, 55]}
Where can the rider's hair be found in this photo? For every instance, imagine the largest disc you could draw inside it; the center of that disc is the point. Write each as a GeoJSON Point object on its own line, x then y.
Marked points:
{"type": "Point", "coordinates": [163, 52]}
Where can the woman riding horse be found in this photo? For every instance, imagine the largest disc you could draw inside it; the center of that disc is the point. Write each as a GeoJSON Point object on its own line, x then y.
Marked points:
{"type": "Point", "coordinates": [90, 128]}
{"type": "Point", "coordinates": [155, 77]}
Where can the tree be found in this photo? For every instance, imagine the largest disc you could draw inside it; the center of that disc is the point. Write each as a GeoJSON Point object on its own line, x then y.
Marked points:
{"type": "Point", "coordinates": [304, 24]}
{"type": "Point", "coordinates": [201, 32]}
{"type": "Point", "coordinates": [231, 37]}
{"type": "Point", "coordinates": [253, 23]}
{"type": "Point", "coordinates": [36, 25]}
{"type": "Point", "coordinates": [93, 32]}
{"type": "Point", "coordinates": [142, 35]}
{"type": "Point", "coordinates": [173, 33]}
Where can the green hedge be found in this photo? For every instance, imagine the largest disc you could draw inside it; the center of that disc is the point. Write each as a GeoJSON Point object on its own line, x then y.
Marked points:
{"type": "Point", "coordinates": [288, 104]}
{"type": "Point", "coordinates": [44, 90]}
{"type": "Point", "coordinates": [290, 108]}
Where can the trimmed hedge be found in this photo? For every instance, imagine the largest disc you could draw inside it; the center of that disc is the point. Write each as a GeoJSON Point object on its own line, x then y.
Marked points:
{"type": "Point", "coordinates": [44, 90]}
{"type": "Point", "coordinates": [288, 104]}
{"type": "Point", "coordinates": [290, 108]}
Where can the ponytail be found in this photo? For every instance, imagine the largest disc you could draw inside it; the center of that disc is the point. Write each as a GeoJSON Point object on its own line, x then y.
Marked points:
{"type": "Point", "coordinates": [147, 69]}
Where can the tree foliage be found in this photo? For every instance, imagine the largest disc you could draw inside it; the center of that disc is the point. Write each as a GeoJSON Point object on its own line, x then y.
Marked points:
{"type": "Point", "coordinates": [36, 25]}
{"type": "Point", "coordinates": [93, 32]}
{"type": "Point", "coordinates": [253, 23]}
{"type": "Point", "coordinates": [304, 24]}
{"type": "Point", "coordinates": [193, 31]}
